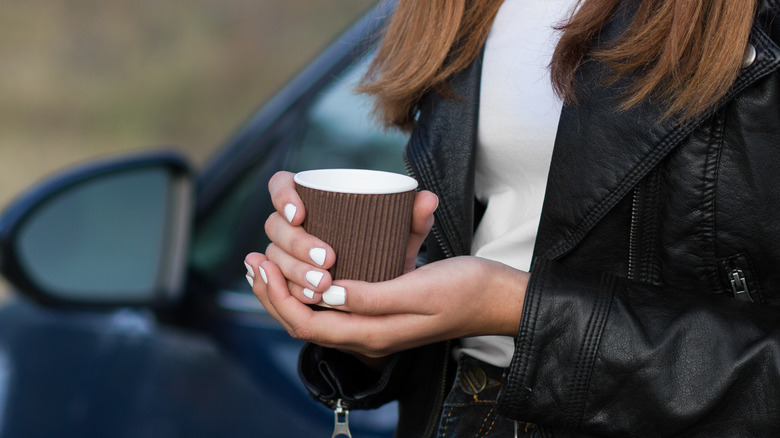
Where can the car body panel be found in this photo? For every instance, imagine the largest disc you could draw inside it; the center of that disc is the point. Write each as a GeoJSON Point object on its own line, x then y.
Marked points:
{"type": "Point", "coordinates": [211, 362]}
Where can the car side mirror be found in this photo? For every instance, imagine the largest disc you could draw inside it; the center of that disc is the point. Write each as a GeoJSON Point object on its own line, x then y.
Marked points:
{"type": "Point", "coordinates": [113, 232]}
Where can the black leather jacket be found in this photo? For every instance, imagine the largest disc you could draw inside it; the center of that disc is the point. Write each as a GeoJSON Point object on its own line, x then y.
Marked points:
{"type": "Point", "coordinates": [653, 306]}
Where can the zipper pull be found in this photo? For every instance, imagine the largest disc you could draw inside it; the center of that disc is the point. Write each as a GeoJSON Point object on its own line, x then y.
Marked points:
{"type": "Point", "coordinates": [739, 285]}
{"type": "Point", "coordinates": [341, 428]}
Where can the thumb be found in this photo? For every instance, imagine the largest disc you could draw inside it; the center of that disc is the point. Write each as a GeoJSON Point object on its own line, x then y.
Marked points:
{"type": "Point", "coordinates": [425, 203]}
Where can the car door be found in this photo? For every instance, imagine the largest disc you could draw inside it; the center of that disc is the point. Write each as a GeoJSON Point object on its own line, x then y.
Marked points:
{"type": "Point", "coordinates": [318, 121]}
{"type": "Point", "coordinates": [209, 360]}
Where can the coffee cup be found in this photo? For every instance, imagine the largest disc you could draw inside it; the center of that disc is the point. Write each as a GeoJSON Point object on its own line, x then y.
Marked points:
{"type": "Point", "coordinates": [364, 215]}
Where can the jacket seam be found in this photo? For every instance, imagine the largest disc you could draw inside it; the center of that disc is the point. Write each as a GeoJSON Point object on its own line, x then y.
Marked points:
{"type": "Point", "coordinates": [711, 174]}
{"type": "Point", "coordinates": [588, 351]}
{"type": "Point", "coordinates": [442, 215]}
{"type": "Point", "coordinates": [518, 371]}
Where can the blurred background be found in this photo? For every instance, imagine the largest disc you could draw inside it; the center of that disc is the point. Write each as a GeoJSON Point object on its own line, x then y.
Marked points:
{"type": "Point", "coordinates": [81, 79]}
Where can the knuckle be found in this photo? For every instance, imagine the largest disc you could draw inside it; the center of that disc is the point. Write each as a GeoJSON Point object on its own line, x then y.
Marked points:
{"type": "Point", "coordinates": [373, 304]}
{"type": "Point", "coordinates": [269, 223]}
{"type": "Point", "coordinates": [376, 346]}
{"type": "Point", "coordinates": [301, 248]}
{"type": "Point", "coordinates": [275, 179]}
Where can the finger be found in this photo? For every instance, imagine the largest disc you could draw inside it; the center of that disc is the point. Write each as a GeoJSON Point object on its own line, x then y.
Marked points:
{"type": "Point", "coordinates": [373, 336]}
{"type": "Point", "coordinates": [294, 315]}
{"type": "Point", "coordinates": [278, 297]}
{"type": "Point", "coordinates": [403, 295]}
{"type": "Point", "coordinates": [296, 242]}
{"type": "Point", "coordinates": [285, 198]}
{"type": "Point", "coordinates": [425, 203]}
{"type": "Point", "coordinates": [302, 274]}
{"type": "Point", "coordinates": [258, 279]}
{"type": "Point", "coordinates": [252, 263]}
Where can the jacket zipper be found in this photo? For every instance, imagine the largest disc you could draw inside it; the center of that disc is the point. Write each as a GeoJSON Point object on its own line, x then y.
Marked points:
{"type": "Point", "coordinates": [341, 418]}
{"type": "Point", "coordinates": [435, 230]}
{"type": "Point", "coordinates": [739, 287]}
{"type": "Point", "coordinates": [433, 422]}
{"type": "Point", "coordinates": [632, 234]}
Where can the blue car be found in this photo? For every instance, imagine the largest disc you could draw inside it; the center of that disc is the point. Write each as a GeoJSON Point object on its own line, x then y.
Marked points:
{"type": "Point", "coordinates": [132, 316]}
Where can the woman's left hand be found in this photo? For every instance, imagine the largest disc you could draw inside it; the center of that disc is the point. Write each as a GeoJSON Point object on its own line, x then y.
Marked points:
{"type": "Point", "coordinates": [461, 296]}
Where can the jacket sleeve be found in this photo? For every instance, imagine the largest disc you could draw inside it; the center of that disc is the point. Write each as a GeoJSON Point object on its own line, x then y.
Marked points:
{"type": "Point", "coordinates": [613, 357]}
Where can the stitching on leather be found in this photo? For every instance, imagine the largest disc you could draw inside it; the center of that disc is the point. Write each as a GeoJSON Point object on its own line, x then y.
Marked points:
{"type": "Point", "coordinates": [422, 156]}
{"type": "Point", "coordinates": [758, 69]}
{"type": "Point", "coordinates": [648, 262]}
{"type": "Point", "coordinates": [711, 175]}
{"type": "Point", "coordinates": [620, 190]}
{"type": "Point", "coordinates": [578, 386]}
{"type": "Point", "coordinates": [530, 333]}
{"type": "Point", "coordinates": [608, 284]}
{"type": "Point", "coordinates": [518, 370]}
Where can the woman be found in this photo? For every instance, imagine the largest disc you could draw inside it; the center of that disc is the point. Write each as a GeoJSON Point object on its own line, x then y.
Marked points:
{"type": "Point", "coordinates": [650, 308]}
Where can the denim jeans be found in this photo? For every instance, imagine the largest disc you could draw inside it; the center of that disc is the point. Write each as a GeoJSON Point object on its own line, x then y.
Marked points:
{"type": "Point", "coordinates": [469, 410]}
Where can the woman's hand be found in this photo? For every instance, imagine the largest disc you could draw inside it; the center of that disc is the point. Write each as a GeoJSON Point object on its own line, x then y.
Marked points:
{"type": "Point", "coordinates": [462, 296]}
{"type": "Point", "coordinates": [458, 297]}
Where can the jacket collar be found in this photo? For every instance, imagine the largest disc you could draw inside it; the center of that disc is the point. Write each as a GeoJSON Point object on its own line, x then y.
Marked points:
{"type": "Point", "coordinates": [601, 153]}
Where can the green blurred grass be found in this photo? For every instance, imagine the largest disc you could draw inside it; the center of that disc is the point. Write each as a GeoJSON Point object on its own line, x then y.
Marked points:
{"type": "Point", "coordinates": [87, 78]}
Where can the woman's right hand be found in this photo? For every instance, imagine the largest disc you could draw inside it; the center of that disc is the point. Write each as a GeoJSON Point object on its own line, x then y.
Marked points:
{"type": "Point", "coordinates": [304, 259]}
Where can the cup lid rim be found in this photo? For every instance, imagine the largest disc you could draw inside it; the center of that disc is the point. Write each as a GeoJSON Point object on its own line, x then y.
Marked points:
{"type": "Point", "coordinates": [356, 181]}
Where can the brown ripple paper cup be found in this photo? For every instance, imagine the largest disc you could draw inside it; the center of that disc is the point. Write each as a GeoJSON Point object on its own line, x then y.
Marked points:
{"type": "Point", "coordinates": [364, 215]}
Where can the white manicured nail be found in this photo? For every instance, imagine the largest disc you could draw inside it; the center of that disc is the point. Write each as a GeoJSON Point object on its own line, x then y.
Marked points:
{"type": "Point", "coordinates": [249, 269]}
{"type": "Point", "coordinates": [308, 293]}
{"type": "Point", "coordinates": [335, 296]}
{"type": "Point", "coordinates": [318, 255]}
{"type": "Point", "coordinates": [250, 280]}
{"type": "Point", "coordinates": [314, 277]}
{"type": "Point", "coordinates": [289, 212]}
{"type": "Point", "coordinates": [262, 274]}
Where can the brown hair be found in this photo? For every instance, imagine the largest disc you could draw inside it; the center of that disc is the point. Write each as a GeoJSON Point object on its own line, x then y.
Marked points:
{"type": "Point", "coordinates": [687, 52]}
{"type": "Point", "coordinates": [427, 41]}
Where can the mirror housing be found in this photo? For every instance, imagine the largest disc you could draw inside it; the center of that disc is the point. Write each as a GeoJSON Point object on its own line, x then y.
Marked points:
{"type": "Point", "coordinates": [110, 233]}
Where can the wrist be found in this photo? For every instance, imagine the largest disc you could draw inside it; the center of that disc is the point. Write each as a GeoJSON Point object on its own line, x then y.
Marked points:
{"type": "Point", "coordinates": [511, 285]}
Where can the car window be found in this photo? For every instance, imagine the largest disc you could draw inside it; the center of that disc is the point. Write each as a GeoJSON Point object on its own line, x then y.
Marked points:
{"type": "Point", "coordinates": [340, 131]}
{"type": "Point", "coordinates": [336, 129]}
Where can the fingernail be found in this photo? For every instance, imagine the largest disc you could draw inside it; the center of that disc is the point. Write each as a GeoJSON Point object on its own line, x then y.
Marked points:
{"type": "Point", "coordinates": [249, 269]}
{"type": "Point", "coordinates": [262, 274]}
{"type": "Point", "coordinates": [250, 280]}
{"type": "Point", "coordinates": [318, 255]}
{"type": "Point", "coordinates": [308, 293]}
{"type": "Point", "coordinates": [289, 212]}
{"type": "Point", "coordinates": [314, 277]}
{"type": "Point", "coordinates": [335, 296]}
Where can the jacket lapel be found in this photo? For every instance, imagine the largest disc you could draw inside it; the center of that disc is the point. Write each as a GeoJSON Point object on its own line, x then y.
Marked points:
{"type": "Point", "coordinates": [440, 155]}
{"type": "Point", "coordinates": [601, 152]}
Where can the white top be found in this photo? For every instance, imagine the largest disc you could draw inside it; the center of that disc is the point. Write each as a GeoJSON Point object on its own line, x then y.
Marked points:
{"type": "Point", "coordinates": [518, 119]}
